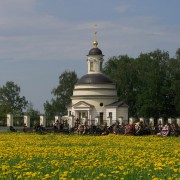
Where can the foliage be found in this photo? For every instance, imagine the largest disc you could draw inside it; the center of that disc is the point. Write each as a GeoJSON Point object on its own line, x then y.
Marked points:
{"type": "Point", "coordinates": [53, 156]}
{"type": "Point", "coordinates": [122, 71]}
{"type": "Point", "coordinates": [62, 95]}
{"type": "Point", "coordinates": [151, 68]}
{"type": "Point", "coordinates": [150, 83]}
{"type": "Point", "coordinates": [34, 114]}
{"type": "Point", "coordinates": [10, 99]}
{"type": "Point", "coordinates": [178, 54]}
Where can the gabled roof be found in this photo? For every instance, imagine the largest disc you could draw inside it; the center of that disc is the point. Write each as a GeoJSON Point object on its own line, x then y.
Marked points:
{"type": "Point", "coordinates": [82, 104]}
{"type": "Point", "coordinates": [118, 104]}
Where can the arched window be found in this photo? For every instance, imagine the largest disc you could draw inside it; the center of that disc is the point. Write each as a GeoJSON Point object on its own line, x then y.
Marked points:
{"type": "Point", "coordinates": [101, 66]}
{"type": "Point", "coordinates": [91, 66]}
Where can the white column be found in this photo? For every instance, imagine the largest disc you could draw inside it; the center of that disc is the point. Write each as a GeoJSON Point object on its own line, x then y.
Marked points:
{"type": "Point", "coordinates": [27, 121]}
{"type": "Point", "coordinates": [9, 120]}
{"type": "Point", "coordinates": [88, 114]}
{"type": "Point", "coordinates": [75, 114]}
{"type": "Point", "coordinates": [88, 120]}
{"type": "Point", "coordinates": [43, 121]}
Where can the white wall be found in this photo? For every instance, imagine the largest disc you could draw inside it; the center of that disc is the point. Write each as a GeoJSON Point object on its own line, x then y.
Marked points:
{"type": "Point", "coordinates": [122, 112]}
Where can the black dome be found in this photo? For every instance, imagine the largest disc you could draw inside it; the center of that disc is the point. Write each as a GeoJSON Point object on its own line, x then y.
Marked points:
{"type": "Point", "coordinates": [94, 79]}
{"type": "Point", "coordinates": [95, 51]}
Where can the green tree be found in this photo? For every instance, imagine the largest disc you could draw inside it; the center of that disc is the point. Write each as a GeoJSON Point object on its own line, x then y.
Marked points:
{"type": "Point", "coordinates": [10, 99]}
{"type": "Point", "coordinates": [178, 54]}
{"type": "Point", "coordinates": [62, 95]}
{"type": "Point", "coordinates": [174, 66]}
{"type": "Point", "coordinates": [122, 71]}
{"type": "Point", "coordinates": [155, 93]}
{"type": "Point", "coordinates": [151, 75]}
{"type": "Point", "coordinates": [150, 83]}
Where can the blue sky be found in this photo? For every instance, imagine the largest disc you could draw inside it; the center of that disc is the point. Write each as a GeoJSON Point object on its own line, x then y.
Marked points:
{"type": "Point", "coordinates": [40, 39]}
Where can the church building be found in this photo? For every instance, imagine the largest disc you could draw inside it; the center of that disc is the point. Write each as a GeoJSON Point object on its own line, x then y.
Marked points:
{"type": "Point", "coordinates": [94, 98]}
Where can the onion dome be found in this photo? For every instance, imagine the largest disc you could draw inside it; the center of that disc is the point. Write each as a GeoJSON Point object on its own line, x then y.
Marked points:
{"type": "Point", "coordinates": [95, 51]}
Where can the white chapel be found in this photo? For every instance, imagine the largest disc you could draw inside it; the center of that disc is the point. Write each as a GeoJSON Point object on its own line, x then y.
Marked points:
{"type": "Point", "coordinates": [94, 98]}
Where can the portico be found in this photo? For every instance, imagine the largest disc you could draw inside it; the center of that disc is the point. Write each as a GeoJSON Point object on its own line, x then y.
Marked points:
{"type": "Point", "coordinates": [82, 110]}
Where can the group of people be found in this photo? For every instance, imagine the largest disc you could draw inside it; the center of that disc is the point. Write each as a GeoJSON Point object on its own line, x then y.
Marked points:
{"type": "Point", "coordinates": [140, 128]}
{"type": "Point", "coordinates": [169, 129]}
{"type": "Point", "coordinates": [82, 129]}
{"type": "Point", "coordinates": [136, 129]}
{"type": "Point", "coordinates": [96, 130]}
{"type": "Point", "coordinates": [58, 126]}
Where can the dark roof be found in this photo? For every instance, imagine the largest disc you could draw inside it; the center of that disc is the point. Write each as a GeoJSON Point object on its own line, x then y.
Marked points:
{"type": "Point", "coordinates": [118, 104]}
{"type": "Point", "coordinates": [95, 51]}
{"type": "Point", "coordinates": [94, 79]}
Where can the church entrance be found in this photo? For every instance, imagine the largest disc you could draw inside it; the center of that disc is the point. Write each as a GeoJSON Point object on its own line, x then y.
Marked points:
{"type": "Point", "coordinates": [82, 114]}
{"type": "Point", "coordinates": [101, 117]}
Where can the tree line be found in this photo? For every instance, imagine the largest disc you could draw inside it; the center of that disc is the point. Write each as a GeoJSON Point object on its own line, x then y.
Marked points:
{"type": "Point", "coordinates": [150, 84]}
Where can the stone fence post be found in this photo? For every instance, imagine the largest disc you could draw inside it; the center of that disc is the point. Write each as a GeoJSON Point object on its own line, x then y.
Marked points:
{"type": "Point", "coordinates": [43, 120]}
{"type": "Point", "coordinates": [170, 120]}
{"type": "Point", "coordinates": [57, 119]}
{"type": "Point", "coordinates": [131, 120]}
{"type": "Point", "coordinates": [151, 121]}
{"type": "Point", "coordinates": [178, 121]}
{"type": "Point", "coordinates": [142, 119]}
{"type": "Point", "coordinates": [109, 121]}
{"type": "Point", "coordinates": [27, 121]}
{"type": "Point", "coordinates": [120, 119]}
{"type": "Point", "coordinates": [9, 119]}
{"type": "Point", "coordinates": [161, 122]}
{"type": "Point", "coordinates": [97, 121]}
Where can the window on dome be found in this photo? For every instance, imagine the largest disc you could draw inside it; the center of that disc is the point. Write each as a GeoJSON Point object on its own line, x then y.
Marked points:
{"type": "Point", "coordinates": [91, 66]}
{"type": "Point", "coordinates": [100, 66]}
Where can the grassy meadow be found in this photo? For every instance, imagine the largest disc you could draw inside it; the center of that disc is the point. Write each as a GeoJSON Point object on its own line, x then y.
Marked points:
{"type": "Point", "coordinates": [56, 156]}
